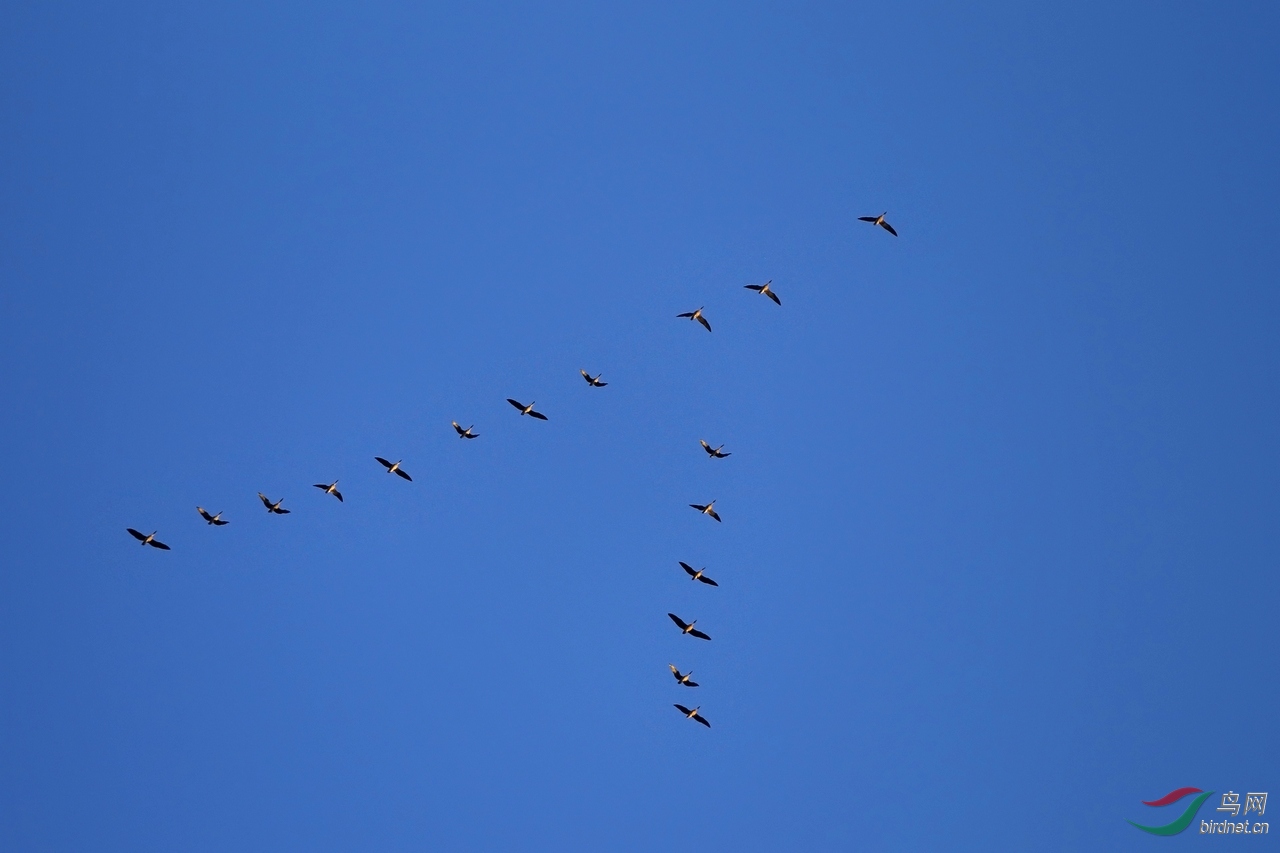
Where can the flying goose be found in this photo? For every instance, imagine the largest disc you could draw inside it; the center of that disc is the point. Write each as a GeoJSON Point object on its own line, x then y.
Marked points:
{"type": "Point", "coordinates": [148, 540]}
{"type": "Point", "coordinates": [593, 381]}
{"type": "Point", "coordinates": [331, 489]}
{"type": "Point", "coordinates": [879, 220]}
{"type": "Point", "coordinates": [393, 468]}
{"type": "Point", "coordinates": [273, 507]}
{"type": "Point", "coordinates": [693, 714]}
{"type": "Point", "coordinates": [465, 433]}
{"type": "Point", "coordinates": [683, 678]}
{"type": "Point", "coordinates": [688, 629]}
{"type": "Point", "coordinates": [212, 519]}
{"type": "Point", "coordinates": [697, 317]}
{"type": "Point", "coordinates": [763, 290]}
{"type": "Point", "coordinates": [713, 452]}
{"type": "Point", "coordinates": [709, 509]}
{"type": "Point", "coordinates": [527, 410]}
{"type": "Point", "coordinates": [697, 574]}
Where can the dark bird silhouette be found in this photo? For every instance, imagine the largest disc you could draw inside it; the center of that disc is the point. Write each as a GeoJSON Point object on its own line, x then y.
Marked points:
{"type": "Point", "coordinates": [331, 489]}
{"type": "Point", "coordinates": [697, 574]}
{"type": "Point", "coordinates": [683, 678]}
{"type": "Point", "coordinates": [593, 381]}
{"type": "Point", "coordinates": [713, 452]}
{"type": "Point", "coordinates": [763, 290]}
{"type": "Point", "coordinates": [465, 433]}
{"type": "Point", "coordinates": [212, 519]}
{"type": "Point", "coordinates": [527, 410]}
{"type": "Point", "coordinates": [693, 714]}
{"type": "Point", "coordinates": [709, 509]}
{"type": "Point", "coordinates": [273, 507]}
{"type": "Point", "coordinates": [697, 317]}
{"type": "Point", "coordinates": [688, 629]}
{"type": "Point", "coordinates": [148, 539]}
{"type": "Point", "coordinates": [393, 468]}
{"type": "Point", "coordinates": [879, 220]}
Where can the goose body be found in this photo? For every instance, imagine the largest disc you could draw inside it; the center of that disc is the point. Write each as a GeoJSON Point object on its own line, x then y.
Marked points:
{"type": "Point", "coordinates": [696, 316]}
{"type": "Point", "coordinates": [148, 539]}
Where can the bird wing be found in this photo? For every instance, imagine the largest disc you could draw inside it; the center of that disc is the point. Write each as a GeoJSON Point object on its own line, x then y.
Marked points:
{"type": "Point", "coordinates": [460, 430]}
{"type": "Point", "coordinates": [673, 669]}
{"type": "Point", "coordinates": [679, 622]}
{"type": "Point", "coordinates": [403, 474]}
{"type": "Point", "coordinates": [384, 463]}
{"type": "Point", "coordinates": [538, 415]}
{"type": "Point", "coordinates": [703, 321]}
{"type": "Point", "coordinates": [868, 218]}
{"type": "Point", "coordinates": [699, 634]}
{"type": "Point", "coordinates": [686, 314]}
{"type": "Point", "coordinates": [585, 375]}
{"type": "Point", "coordinates": [756, 287]}
{"type": "Point", "coordinates": [598, 383]}
{"type": "Point", "coordinates": [218, 522]}
{"type": "Point", "coordinates": [155, 543]}
{"type": "Point", "coordinates": [280, 511]}
{"type": "Point", "coordinates": [708, 581]}
{"type": "Point", "coordinates": [688, 568]}
{"type": "Point", "coordinates": [516, 403]}
{"type": "Point", "coordinates": [203, 514]}
{"type": "Point", "coordinates": [713, 514]}
{"type": "Point", "coordinates": [702, 720]}
{"type": "Point", "coordinates": [337, 494]}
{"type": "Point", "coordinates": [886, 226]}
{"type": "Point", "coordinates": [698, 507]}
{"type": "Point", "coordinates": [264, 500]}
{"type": "Point", "coordinates": [683, 710]}
{"type": "Point", "coordinates": [689, 683]}
{"type": "Point", "coordinates": [722, 454]}
{"type": "Point", "coordinates": [774, 297]}
{"type": "Point", "coordinates": [141, 537]}
{"type": "Point", "coordinates": [324, 486]}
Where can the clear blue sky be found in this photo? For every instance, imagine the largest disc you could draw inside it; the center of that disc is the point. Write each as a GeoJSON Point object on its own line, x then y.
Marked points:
{"type": "Point", "coordinates": [999, 550]}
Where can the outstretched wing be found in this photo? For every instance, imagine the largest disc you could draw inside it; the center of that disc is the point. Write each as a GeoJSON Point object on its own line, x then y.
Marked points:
{"type": "Point", "coordinates": [689, 683]}
{"type": "Point", "coordinates": [401, 472]}
{"type": "Point", "coordinates": [721, 454]}
{"type": "Point", "coordinates": [337, 494]}
{"type": "Point", "coordinates": [538, 415]}
{"type": "Point", "coordinates": [460, 430]}
{"type": "Point", "coordinates": [683, 710]}
{"type": "Point", "coordinates": [516, 403]}
{"type": "Point", "coordinates": [203, 514]}
{"type": "Point", "coordinates": [713, 514]}
{"type": "Point", "coordinates": [156, 543]}
{"type": "Point", "coordinates": [265, 501]}
{"type": "Point", "coordinates": [701, 636]}
{"type": "Point", "coordinates": [280, 511]}
{"type": "Point", "coordinates": [384, 463]}
{"type": "Point", "coordinates": [679, 622]}
{"type": "Point", "coordinates": [141, 537]}
{"type": "Point", "coordinates": [756, 287]}
{"type": "Point", "coordinates": [702, 720]}
{"type": "Point", "coordinates": [868, 218]}
{"type": "Point", "coordinates": [322, 486]}
{"type": "Point", "coordinates": [886, 226]}
{"type": "Point", "coordinates": [688, 568]}
{"type": "Point", "coordinates": [674, 671]}
{"type": "Point", "coordinates": [686, 314]}
{"type": "Point", "coordinates": [699, 507]}
{"type": "Point", "coordinates": [703, 321]}
{"type": "Point", "coordinates": [708, 581]}
{"type": "Point", "coordinates": [218, 522]}
{"type": "Point", "coordinates": [774, 297]}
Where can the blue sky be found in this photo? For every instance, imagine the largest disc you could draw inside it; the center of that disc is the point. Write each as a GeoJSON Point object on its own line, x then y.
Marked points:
{"type": "Point", "coordinates": [998, 551]}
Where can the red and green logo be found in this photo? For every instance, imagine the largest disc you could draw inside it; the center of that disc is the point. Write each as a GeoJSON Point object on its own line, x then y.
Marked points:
{"type": "Point", "coordinates": [1187, 816]}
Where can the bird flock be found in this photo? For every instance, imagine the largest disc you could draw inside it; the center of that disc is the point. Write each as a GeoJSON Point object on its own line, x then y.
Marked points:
{"type": "Point", "coordinates": [684, 679]}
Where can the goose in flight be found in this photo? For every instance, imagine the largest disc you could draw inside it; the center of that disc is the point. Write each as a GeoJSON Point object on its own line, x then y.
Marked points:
{"type": "Point", "coordinates": [273, 507]}
{"type": "Point", "coordinates": [593, 381]}
{"type": "Point", "coordinates": [697, 317]}
{"type": "Point", "coordinates": [879, 220]}
{"type": "Point", "coordinates": [331, 489]}
{"type": "Point", "coordinates": [393, 468]}
{"type": "Point", "coordinates": [697, 574]}
{"type": "Point", "coordinates": [693, 714]}
{"type": "Point", "coordinates": [709, 509]}
{"type": "Point", "coordinates": [714, 452]}
{"type": "Point", "coordinates": [527, 410]}
{"type": "Point", "coordinates": [148, 540]}
{"type": "Point", "coordinates": [465, 433]}
{"type": "Point", "coordinates": [682, 677]}
{"type": "Point", "coordinates": [763, 290]}
{"type": "Point", "coordinates": [688, 629]}
{"type": "Point", "coordinates": [212, 519]}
